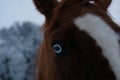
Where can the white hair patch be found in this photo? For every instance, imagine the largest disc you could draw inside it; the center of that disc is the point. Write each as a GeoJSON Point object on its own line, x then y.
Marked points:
{"type": "Point", "coordinates": [59, 0]}
{"type": "Point", "coordinates": [91, 1]}
{"type": "Point", "coordinates": [105, 37]}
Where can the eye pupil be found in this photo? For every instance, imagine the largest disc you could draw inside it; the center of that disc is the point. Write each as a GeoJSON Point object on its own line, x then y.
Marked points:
{"type": "Point", "coordinates": [57, 48]}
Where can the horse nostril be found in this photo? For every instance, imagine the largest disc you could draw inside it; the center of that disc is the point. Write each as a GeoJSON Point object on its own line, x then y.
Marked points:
{"type": "Point", "coordinates": [57, 48]}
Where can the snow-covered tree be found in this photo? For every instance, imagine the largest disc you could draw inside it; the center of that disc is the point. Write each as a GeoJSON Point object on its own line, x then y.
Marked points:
{"type": "Point", "coordinates": [18, 49]}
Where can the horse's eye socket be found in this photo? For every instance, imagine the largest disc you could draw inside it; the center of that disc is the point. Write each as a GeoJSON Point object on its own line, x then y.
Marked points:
{"type": "Point", "coordinates": [57, 48]}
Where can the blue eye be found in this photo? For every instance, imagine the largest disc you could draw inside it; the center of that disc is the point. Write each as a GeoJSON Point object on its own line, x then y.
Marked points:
{"type": "Point", "coordinates": [57, 48]}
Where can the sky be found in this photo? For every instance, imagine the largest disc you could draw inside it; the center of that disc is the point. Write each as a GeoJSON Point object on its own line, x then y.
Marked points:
{"type": "Point", "coordinates": [114, 10]}
{"type": "Point", "coordinates": [18, 11]}
{"type": "Point", "coordinates": [24, 10]}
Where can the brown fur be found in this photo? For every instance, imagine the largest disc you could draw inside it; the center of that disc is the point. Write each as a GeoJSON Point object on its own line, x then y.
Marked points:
{"type": "Point", "coordinates": [45, 6]}
{"type": "Point", "coordinates": [82, 58]}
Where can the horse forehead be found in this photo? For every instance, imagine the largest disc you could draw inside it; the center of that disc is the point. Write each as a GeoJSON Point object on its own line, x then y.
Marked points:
{"type": "Point", "coordinates": [105, 37]}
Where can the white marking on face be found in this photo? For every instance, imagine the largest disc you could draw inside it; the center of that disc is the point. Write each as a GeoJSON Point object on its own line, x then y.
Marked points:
{"type": "Point", "coordinates": [105, 37]}
{"type": "Point", "coordinates": [91, 1]}
{"type": "Point", "coordinates": [59, 0]}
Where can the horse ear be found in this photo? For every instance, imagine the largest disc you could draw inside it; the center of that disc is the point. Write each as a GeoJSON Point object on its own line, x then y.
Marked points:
{"type": "Point", "coordinates": [45, 6]}
{"type": "Point", "coordinates": [104, 3]}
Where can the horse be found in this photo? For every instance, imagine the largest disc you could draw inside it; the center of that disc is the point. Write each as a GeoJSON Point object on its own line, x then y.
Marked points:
{"type": "Point", "coordinates": [80, 41]}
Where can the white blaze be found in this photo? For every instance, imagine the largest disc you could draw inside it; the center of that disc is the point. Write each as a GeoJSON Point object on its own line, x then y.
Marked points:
{"type": "Point", "coordinates": [105, 37]}
{"type": "Point", "coordinates": [59, 0]}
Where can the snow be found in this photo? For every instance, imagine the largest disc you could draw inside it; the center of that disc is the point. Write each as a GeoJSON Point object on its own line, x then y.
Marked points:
{"type": "Point", "coordinates": [18, 51]}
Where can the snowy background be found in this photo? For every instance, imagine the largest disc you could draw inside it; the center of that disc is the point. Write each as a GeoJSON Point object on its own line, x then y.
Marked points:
{"type": "Point", "coordinates": [19, 40]}
{"type": "Point", "coordinates": [18, 48]}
